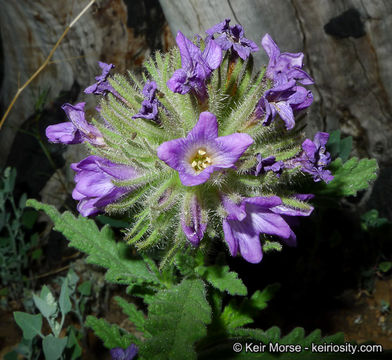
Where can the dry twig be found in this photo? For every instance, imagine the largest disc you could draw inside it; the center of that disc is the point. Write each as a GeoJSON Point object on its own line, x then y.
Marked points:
{"type": "Point", "coordinates": [45, 63]}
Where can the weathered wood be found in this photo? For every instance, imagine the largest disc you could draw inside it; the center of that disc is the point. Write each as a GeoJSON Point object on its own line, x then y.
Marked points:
{"type": "Point", "coordinates": [347, 51]}
{"type": "Point", "coordinates": [29, 29]}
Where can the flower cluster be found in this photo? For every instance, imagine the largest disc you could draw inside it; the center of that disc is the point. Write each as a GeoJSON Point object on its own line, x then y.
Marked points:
{"type": "Point", "coordinates": [203, 148]}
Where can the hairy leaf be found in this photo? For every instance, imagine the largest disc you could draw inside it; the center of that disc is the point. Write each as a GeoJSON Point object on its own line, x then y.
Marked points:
{"type": "Point", "coordinates": [111, 335]}
{"type": "Point", "coordinates": [135, 315]}
{"type": "Point", "coordinates": [223, 279]}
{"type": "Point", "coordinates": [177, 319]}
{"type": "Point", "coordinates": [101, 247]}
{"type": "Point", "coordinates": [349, 177]}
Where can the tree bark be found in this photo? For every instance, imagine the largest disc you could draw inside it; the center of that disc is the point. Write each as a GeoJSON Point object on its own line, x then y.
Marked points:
{"type": "Point", "coordinates": [347, 51]}
{"type": "Point", "coordinates": [122, 32]}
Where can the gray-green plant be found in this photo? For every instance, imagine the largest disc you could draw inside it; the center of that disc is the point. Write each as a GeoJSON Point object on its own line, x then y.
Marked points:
{"type": "Point", "coordinates": [62, 342]}
{"type": "Point", "coordinates": [194, 309]}
{"type": "Point", "coordinates": [17, 248]}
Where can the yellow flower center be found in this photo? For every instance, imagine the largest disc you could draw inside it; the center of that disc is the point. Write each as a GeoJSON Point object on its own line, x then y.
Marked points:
{"type": "Point", "coordinates": [201, 160]}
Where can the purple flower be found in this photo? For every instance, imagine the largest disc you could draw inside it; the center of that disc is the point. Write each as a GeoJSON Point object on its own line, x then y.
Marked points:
{"type": "Point", "coordinates": [194, 227]}
{"type": "Point", "coordinates": [196, 66]}
{"type": "Point", "coordinates": [284, 67]}
{"type": "Point", "coordinates": [77, 130]}
{"type": "Point", "coordinates": [149, 109]}
{"type": "Point", "coordinates": [315, 158]}
{"type": "Point", "coordinates": [268, 164]}
{"type": "Point", "coordinates": [149, 90]}
{"type": "Point", "coordinates": [233, 37]}
{"type": "Point", "coordinates": [277, 101]}
{"type": "Point", "coordinates": [286, 100]}
{"type": "Point", "coordinates": [102, 86]}
{"type": "Point", "coordinates": [202, 152]}
{"type": "Point", "coordinates": [94, 187]}
{"type": "Point", "coordinates": [252, 217]}
{"type": "Point", "coordinates": [301, 99]}
{"type": "Point", "coordinates": [120, 354]}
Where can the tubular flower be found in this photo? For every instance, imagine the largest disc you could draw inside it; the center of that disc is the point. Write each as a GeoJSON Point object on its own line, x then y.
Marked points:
{"type": "Point", "coordinates": [196, 66]}
{"type": "Point", "coordinates": [232, 37]}
{"type": "Point", "coordinates": [283, 67]}
{"type": "Point", "coordinates": [94, 188]}
{"type": "Point", "coordinates": [128, 354]}
{"type": "Point", "coordinates": [252, 217]}
{"type": "Point", "coordinates": [202, 152]}
{"type": "Point", "coordinates": [187, 152]}
{"type": "Point", "coordinates": [77, 130]}
{"type": "Point", "coordinates": [149, 109]}
{"type": "Point", "coordinates": [102, 86]}
{"type": "Point", "coordinates": [315, 158]}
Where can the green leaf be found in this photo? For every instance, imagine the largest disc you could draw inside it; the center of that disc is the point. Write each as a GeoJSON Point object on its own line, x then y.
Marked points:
{"type": "Point", "coordinates": [101, 246]}
{"type": "Point", "coordinates": [385, 266]}
{"type": "Point", "coordinates": [259, 299]}
{"type": "Point", "coordinates": [29, 218]}
{"type": "Point", "coordinates": [73, 343]}
{"type": "Point", "coordinates": [115, 223]}
{"type": "Point", "coordinates": [338, 147]}
{"type": "Point", "coordinates": [346, 146]}
{"type": "Point", "coordinates": [177, 318]}
{"type": "Point", "coordinates": [333, 144]}
{"type": "Point", "coordinates": [371, 219]}
{"type": "Point", "coordinates": [235, 315]}
{"type": "Point", "coordinates": [349, 178]}
{"type": "Point", "coordinates": [136, 316]}
{"type": "Point", "coordinates": [45, 303]}
{"type": "Point", "coordinates": [12, 355]}
{"type": "Point", "coordinates": [221, 278]}
{"type": "Point", "coordinates": [64, 300]}
{"type": "Point", "coordinates": [111, 335]}
{"type": "Point", "coordinates": [30, 324]}
{"type": "Point", "coordinates": [53, 347]}
{"type": "Point", "coordinates": [85, 288]}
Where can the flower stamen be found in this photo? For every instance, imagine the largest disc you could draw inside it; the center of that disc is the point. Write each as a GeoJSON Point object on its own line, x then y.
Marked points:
{"type": "Point", "coordinates": [201, 160]}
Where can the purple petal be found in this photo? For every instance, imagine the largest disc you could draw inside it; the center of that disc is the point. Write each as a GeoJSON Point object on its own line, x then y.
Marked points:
{"type": "Point", "coordinates": [321, 139]}
{"type": "Point", "coordinates": [76, 115]}
{"type": "Point", "coordinates": [292, 59]}
{"type": "Point", "coordinates": [224, 42]}
{"type": "Point", "coordinates": [242, 51]}
{"type": "Point", "coordinates": [189, 51]}
{"type": "Point", "coordinates": [219, 28]}
{"type": "Point", "coordinates": [171, 152]}
{"type": "Point", "coordinates": [270, 47]}
{"type": "Point", "coordinates": [178, 82]}
{"type": "Point", "coordinates": [231, 147]}
{"type": "Point", "coordinates": [235, 212]}
{"type": "Point", "coordinates": [149, 90]}
{"type": "Point", "coordinates": [194, 179]}
{"type": "Point", "coordinates": [229, 238]}
{"type": "Point", "coordinates": [131, 352]}
{"type": "Point", "coordinates": [194, 231]}
{"type": "Point", "coordinates": [310, 149]}
{"type": "Point", "coordinates": [288, 211]}
{"type": "Point", "coordinates": [205, 129]}
{"type": "Point", "coordinates": [268, 223]}
{"type": "Point", "coordinates": [105, 70]}
{"type": "Point", "coordinates": [212, 55]}
{"type": "Point", "coordinates": [286, 113]}
{"type": "Point", "coordinates": [264, 202]}
{"type": "Point", "coordinates": [65, 133]}
{"type": "Point", "coordinates": [301, 76]}
{"type": "Point", "coordinates": [248, 240]}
